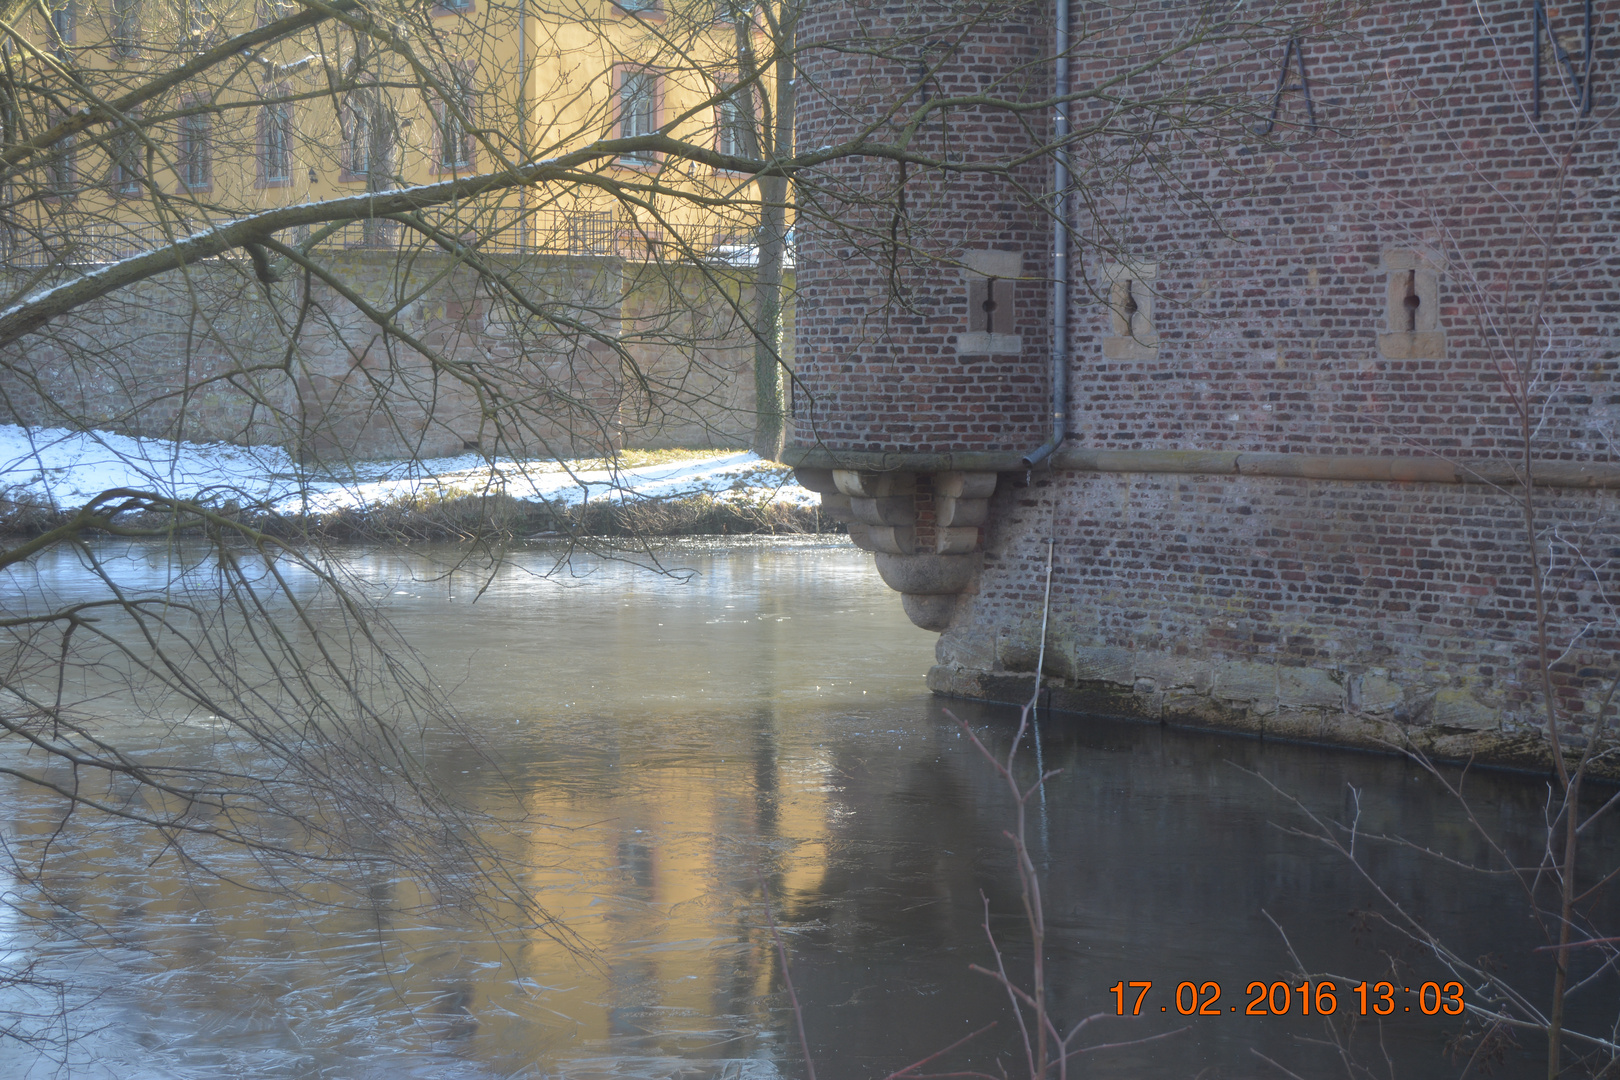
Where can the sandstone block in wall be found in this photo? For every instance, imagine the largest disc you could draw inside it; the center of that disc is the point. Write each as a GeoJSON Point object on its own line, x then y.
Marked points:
{"type": "Point", "coordinates": [1309, 688]}
{"type": "Point", "coordinates": [950, 512]}
{"type": "Point", "coordinates": [893, 539]}
{"type": "Point", "coordinates": [979, 343]}
{"type": "Point", "coordinates": [982, 685]}
{"type": "Point", "coordinates": [956, 541]}
{"type": "Point", "coordinates": [1413, 345]}
{"type": "Point", "coordinates": [893, 510]}
{"type": "Point", "coordinates": [1124, 348]}
{"type": "Point", "coordinates": [953, 681]}
{"type": "Point", "coordinates": [963, 648]}
{"type": "Point", "coordinates": [1164, 670]}
{"type": "Point", "coordinates": [1245, 680]}
{"type": "Point", "coordinates": [1105, 664]}
{"type": "Point", "coordinates": [1455, 708]}
{"type": "Point", "coordinates": [932, 612]}
{"type": "Point", "coordinates": [874, 485]}
{"type": "Point", "coordinates": [1375, 692]}
{"type": "Point", "coordinates": [928, 574]}
{"type": "Point", "coordinates": [965, 485]}
{"type": "Point", "coordinates": [1023, 653]}
{"type": "Point", "coordinates": [819, 481]}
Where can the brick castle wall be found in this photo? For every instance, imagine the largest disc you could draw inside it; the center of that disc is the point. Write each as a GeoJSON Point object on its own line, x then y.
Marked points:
{"type": "Point", "coordinates": [1279, 269]}
{"type": "Point", "coordinates": [882, 296]}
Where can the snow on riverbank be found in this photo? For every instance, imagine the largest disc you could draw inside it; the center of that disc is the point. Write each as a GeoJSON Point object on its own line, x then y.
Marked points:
{"type": "Point", "coordinates": [63, 470]}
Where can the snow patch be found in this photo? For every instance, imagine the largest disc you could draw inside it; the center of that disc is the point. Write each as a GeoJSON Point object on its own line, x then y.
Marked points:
{"type": "Point", "coordinates": [65, 469]}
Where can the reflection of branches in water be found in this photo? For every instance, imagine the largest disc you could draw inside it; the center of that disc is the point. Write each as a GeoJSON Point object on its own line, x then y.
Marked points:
{"type": "Point", "coordinates": [234, 695]}
{"type": "Point", "coordinates": [36, 1009]}
{"type": "Point", "coordinates": [1494, 1004]}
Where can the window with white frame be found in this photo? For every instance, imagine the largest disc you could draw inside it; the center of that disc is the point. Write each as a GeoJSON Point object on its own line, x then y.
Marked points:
{"type": "Point", "coordinates": [734, 134]}
{"type": "Point", "coordinates": [357, 141]}
{"type": "Point", "coordinates": [276, 142]}
{"type": "Point", "coordinates": [638, 108]}
{"type": "Point", "coordinates": [194, 151]}
{"type": "Point", "coordinates": [455, 141]}
{"type": "Point", "coordinates": [368, 137]}
{"type": "Point", "coordinates": [128, 162]}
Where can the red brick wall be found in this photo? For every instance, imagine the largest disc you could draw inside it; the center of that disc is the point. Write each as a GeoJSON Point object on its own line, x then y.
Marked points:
{"type": "Point", "coordinates": [880, 303]}
{"type": "Point", "coordinates": [1271, 292]}
{"type": "Point", "coordinates": [1362, 604]}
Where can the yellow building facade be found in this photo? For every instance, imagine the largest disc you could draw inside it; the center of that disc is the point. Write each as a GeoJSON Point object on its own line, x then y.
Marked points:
{"type": "Point", "coordinates": [375, 98]}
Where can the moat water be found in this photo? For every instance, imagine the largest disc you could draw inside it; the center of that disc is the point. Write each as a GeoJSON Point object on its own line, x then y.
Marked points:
{"type": "Point", "coordinates": [761, 722]}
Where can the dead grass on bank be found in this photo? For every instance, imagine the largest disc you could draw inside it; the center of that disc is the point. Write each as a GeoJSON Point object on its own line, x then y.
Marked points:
{"type": "Point", "coordinates": [459, 514]}
{"type": "Point", "coordinates": [502, 517]}
{"type": "Point", "coordinates": [485, 517]}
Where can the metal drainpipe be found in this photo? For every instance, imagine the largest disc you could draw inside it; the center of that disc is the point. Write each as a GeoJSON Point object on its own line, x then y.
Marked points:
{"type": "Point", "coordinates": [1060, 250]}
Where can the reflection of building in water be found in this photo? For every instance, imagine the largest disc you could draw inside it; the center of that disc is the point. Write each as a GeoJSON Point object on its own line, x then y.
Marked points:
{"type": "Point", "coordinates": [649, 869]}
{"type": "Point", "coordinates": [673, 892]}
{"type": "Point", "coordinates": [656, 797]}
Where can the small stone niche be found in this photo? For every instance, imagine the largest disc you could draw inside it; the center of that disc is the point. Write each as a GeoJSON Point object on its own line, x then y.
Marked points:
{"type": "Point", "coordinates": [1134, 334]}
{"type": "Point", "coordinates": [992, 279]}
{"type": "Point", "coordinates": [1412, 307]}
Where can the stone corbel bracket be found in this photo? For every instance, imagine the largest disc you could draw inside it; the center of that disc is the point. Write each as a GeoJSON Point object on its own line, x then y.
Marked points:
{"type": "Point", "coordinates": [925, 531]}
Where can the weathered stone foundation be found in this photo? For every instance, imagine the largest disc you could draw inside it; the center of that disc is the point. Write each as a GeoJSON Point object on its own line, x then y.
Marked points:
{"type": "Point", "coordinates": [924, 531]}
{"type": "Point", "coordinates": [1374, 614]}
{"type": "Point", "coordinates": [1344, 607]}
{"type": "Point", "coordinates": [603, 352]}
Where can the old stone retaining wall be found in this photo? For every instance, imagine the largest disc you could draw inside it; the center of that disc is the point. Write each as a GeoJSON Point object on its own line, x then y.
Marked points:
{"type": "Point", "coordinates": [589, 355]}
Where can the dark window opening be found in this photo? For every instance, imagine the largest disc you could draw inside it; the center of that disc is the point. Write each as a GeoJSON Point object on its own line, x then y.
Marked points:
{"type": "Point", "coordinates": [195, 155]}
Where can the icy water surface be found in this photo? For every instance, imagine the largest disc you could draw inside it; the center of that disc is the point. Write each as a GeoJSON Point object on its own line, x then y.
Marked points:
{"type": "Point", "coordinates": [763, 723]}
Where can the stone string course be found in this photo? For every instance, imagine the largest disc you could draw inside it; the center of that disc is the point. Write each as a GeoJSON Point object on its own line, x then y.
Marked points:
{"type": "Point", "coordinates": [1363, 612]}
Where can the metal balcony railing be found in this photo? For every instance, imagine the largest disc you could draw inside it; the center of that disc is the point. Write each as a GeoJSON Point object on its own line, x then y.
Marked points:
{"type": "Point", "coordinates": [547, 232]}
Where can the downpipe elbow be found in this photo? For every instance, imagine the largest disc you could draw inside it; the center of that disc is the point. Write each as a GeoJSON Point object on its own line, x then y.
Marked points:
{"type": "Point", "coordinates": [1045, 450]}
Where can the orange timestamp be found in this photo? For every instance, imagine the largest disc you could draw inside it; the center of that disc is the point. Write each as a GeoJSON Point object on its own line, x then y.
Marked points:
{"type": "Point", "coordinates": [1283, 999]}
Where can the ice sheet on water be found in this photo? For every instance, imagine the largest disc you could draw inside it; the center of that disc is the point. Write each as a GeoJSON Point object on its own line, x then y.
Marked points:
{"type": "Point", "coordinates": [631, 1067]}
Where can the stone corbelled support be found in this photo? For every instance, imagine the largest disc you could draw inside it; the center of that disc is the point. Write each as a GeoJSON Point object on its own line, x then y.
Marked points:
{"type": "Point", "coordinates": [924, 530]}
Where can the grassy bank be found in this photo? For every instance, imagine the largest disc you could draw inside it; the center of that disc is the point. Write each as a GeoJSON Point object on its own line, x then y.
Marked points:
{"type": "Point", "coordinates": [579, 498]}
{"type": "Point", "coordinates": [502, 517]}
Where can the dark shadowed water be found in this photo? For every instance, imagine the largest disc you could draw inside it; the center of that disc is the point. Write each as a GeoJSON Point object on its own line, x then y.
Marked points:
{"type": "Point", "coordinates": [764, 723]}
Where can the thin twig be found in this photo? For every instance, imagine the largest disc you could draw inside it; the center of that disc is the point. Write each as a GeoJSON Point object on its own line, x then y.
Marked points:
{"type": "Point", "coordinates": [787, 979]}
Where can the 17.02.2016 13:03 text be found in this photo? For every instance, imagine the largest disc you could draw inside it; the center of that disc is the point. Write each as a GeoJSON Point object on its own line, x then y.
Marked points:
{"type": "Point", "coordinates": [1281, 999]}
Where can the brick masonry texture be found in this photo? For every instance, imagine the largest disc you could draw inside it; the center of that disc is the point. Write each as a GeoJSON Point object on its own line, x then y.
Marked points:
{"type": "Point", "coordinates": [882, 296]}
{"type": "Point", "coordinates": [1349, 611]}
{"type": "Point", "coordinates": [636, 354]}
